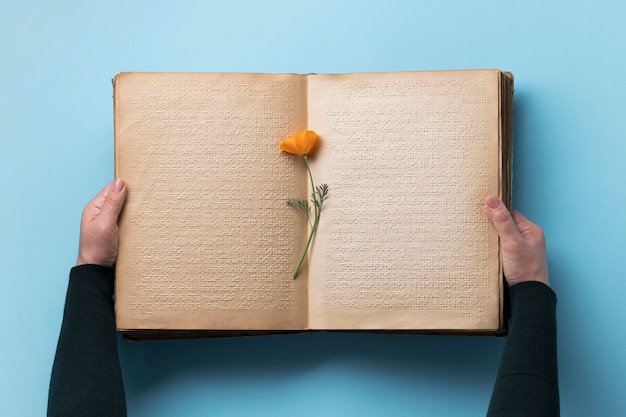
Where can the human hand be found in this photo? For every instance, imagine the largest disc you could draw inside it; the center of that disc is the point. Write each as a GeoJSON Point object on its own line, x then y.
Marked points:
{"type": "Point", "coordinates": [523, 244]}
{"type": "Point", "coordinates": [98, 227]}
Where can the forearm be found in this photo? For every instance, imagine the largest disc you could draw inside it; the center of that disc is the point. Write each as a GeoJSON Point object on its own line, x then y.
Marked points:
{"type": "Point", "coordinates": [527, 381]}
{"type": "Point", "coordinates": [86, 376]}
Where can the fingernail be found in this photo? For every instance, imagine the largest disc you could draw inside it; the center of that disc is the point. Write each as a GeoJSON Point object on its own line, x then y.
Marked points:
{"type": "Point", "coordinates": [118, 185]}
{"type": "Point", "coordinates": [493, 202]}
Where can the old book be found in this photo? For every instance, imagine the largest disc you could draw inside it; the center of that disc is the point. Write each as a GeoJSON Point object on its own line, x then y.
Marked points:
{"type": "Point", "coordinates": [208, 243]}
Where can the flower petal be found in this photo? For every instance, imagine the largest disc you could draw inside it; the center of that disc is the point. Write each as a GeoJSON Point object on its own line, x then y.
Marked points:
{"type": "Point", "coordinates": [289, 145]}
{"type": "Point", "coordinates": [305, 140]}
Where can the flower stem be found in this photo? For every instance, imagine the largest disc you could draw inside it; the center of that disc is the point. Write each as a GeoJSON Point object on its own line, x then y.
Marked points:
{"type": "Point", "coordinates": [308, 243]}
{"type": "Point", "coordinates": [317, 209]}
{"type": "Point", "coordinates": [308, 168]}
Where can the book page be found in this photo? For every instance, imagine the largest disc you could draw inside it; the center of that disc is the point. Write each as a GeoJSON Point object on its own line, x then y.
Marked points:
{"type": "Point", "coordinates": [403, 242]}
{"type": "Point", "coordinates": [207, 240]}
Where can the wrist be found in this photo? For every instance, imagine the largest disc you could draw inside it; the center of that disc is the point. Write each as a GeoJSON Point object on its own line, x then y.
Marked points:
{"type": "Point", "coordinates": [91, 260]}
{"type": "Point", "coordinates": [97, 251]}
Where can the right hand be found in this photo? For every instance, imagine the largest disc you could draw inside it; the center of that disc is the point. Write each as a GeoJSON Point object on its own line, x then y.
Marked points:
{"type": "Point", "coordinates": [523, 244]}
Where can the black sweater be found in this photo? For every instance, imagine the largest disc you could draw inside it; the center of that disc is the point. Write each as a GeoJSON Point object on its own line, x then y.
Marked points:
{"type": "Point", "coordinates": [87, 379]}
{"type": "Point", "coordinates": [86, 375]}
{"type": "Point", "coordinates": [527, 381]}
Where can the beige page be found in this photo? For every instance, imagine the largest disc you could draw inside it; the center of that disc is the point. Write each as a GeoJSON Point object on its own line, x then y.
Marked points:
{"type": "Point", "coordinates": [403, 242]}
{"type": "Point", "coordinates": [206, 238]}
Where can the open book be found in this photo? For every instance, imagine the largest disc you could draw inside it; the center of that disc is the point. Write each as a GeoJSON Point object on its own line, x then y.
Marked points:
{"type": "Point", "coordinates": [208, 243]}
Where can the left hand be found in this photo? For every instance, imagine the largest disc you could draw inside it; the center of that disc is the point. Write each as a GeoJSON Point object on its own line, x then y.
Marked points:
{"type": "Point", "coordinates": [98, 229]}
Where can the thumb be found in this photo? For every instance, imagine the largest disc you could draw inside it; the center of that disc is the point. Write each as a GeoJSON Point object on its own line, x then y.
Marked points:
{"type": "Point", "coordinates": [113, 202]}
{"type": "Point", "coordinates": [501, 218]}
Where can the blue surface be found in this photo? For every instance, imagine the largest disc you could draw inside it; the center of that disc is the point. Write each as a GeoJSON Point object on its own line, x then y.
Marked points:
{"type": "Point", "coordinates": [56, 151]}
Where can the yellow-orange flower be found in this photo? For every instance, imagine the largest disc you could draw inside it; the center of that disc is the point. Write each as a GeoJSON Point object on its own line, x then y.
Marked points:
{"type": "Point", "coordinates": [300, 144]}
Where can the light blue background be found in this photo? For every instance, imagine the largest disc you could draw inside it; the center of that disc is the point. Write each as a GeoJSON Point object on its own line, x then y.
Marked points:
{"type": "Point", "coordinates": [56, 151]}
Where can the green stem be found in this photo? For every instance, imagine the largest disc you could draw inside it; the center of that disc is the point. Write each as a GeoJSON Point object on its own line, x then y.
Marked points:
{"type": "Point", "coordinates": [308, 168]}
{"type": "Point", "coordinates": [308, 243]}
{"type": "Point", "coordinates": [316, 203]}
{"type": "Point", "coordinates": [317, 208]}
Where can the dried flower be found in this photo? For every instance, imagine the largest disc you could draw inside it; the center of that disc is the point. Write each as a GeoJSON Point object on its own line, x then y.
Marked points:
{"type": "Point", "coordinates": [301, 144]}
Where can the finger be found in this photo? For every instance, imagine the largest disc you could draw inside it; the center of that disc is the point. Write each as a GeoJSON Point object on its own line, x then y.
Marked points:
{"type": "Point", "coordinates": [113, 202]}
{"type": "Point", "coordinates": [525, 226]}
{"type": "Point", "coordinates": [521, 221]}
{"type": "Point", "coordinates": [501, 218]}
{"type": "Point", "coordinates": [92, 209]}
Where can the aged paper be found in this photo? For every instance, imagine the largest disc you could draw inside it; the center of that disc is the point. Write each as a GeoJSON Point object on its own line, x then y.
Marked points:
{"type": "Point", "coordinates": [208, 243]}
{"type": "Point", "coordinates": [206, 239]}
{"type": "Point", "coordinates": [403, 242]}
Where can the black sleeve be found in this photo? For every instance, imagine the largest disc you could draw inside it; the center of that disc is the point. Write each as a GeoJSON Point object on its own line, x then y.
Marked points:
{"type": "Point", "coordinates": [86, 375]}
{"type": "Point", "coordinates": [527, 381]}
